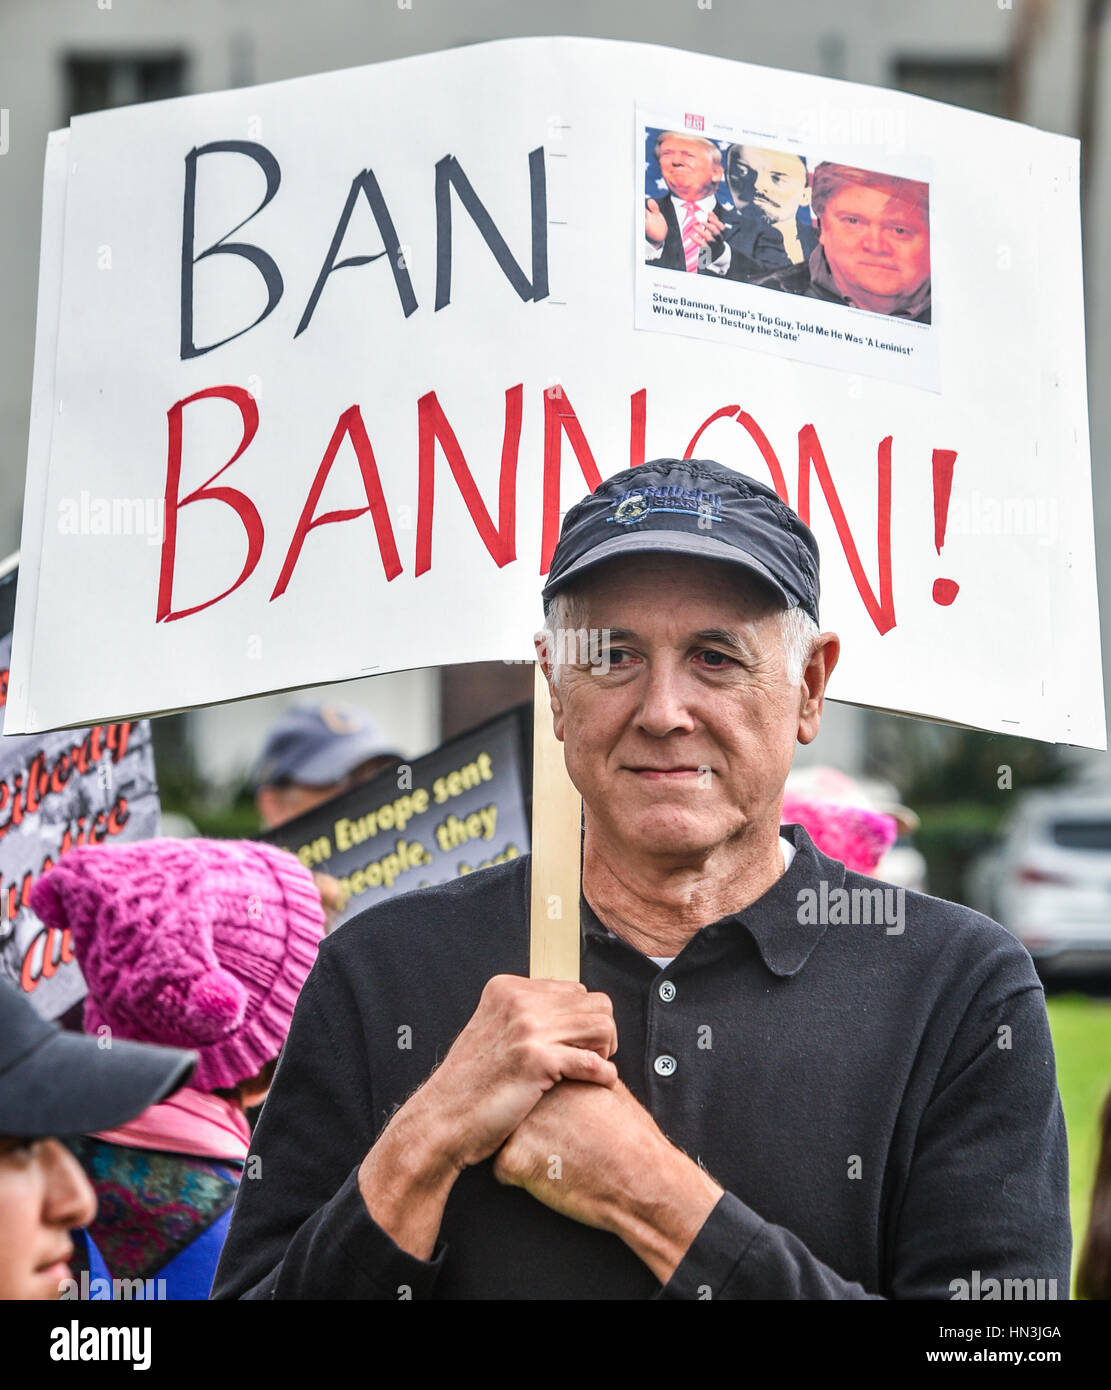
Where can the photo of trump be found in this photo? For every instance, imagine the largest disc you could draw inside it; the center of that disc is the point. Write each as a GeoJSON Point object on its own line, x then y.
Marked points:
{"type": "Point", "coordinates": [688, 227]}
{"type": "Point", "coordinates": [873, 249]}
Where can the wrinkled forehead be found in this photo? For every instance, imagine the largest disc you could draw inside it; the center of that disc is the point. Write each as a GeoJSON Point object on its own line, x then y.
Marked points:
{"type": "Point", "coordinates": [774, 161]}
{"type": "Point", "coordinates": [877, 202]}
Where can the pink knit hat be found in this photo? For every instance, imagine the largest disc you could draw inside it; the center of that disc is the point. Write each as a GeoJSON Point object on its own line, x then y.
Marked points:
{"type": "Point", "coordinates": [193, 943]}
{"type": "Point", "coordinates": [858, 837]}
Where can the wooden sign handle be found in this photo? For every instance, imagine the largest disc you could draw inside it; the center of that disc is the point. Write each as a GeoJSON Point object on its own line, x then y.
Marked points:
{"type": "Point", "coordinates": [556, 846]}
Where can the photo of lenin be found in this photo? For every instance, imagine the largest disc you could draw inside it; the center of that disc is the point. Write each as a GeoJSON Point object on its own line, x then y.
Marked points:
{"type": "Point", "coordinates": [873, 247]}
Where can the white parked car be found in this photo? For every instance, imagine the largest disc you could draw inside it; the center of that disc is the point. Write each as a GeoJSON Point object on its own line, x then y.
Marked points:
{"type": "Point", "coordinates": [1049, 881]}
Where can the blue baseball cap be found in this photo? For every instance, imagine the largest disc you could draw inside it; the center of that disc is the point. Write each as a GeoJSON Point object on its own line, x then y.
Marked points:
{"type": "Point", "coordinates": [690, 507]}
{"type": "Point", "coordinates": [317, 745]}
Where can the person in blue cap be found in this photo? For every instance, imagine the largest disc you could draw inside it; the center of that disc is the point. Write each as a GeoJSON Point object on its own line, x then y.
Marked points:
{"type": "Point", "coordinates": [312, 754]}
{"type": "Point", "coordinates": [777, 1078]}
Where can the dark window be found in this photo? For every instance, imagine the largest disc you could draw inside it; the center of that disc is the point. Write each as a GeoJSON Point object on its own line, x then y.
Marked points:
{"type": "Point", "coordinates": [1082, 834]}
{"type": "Point", "coordinates": [975, 83]}
{"type": "Point", "coordinates": [95, 83]}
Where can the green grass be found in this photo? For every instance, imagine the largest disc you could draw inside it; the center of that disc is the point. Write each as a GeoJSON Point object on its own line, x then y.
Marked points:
{"type": "Point", "coordinates": [1081, 1029]}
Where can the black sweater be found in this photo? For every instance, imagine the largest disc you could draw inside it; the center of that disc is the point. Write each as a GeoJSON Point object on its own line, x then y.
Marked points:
{"type": "Point", "coordinates": [878, 1101]}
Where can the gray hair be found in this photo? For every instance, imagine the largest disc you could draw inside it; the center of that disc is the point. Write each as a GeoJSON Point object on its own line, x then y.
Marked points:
{"type": "Point", "coordinates": [568, 642]}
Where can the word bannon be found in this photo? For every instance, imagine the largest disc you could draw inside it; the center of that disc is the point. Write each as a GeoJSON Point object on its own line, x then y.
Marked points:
{"type": "Point", "coordinates": [844, 907]}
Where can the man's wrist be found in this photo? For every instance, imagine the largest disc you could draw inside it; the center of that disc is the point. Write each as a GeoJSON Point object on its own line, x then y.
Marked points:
{"type": "Point", "coordinates": [660, 1215]}
{"type": "Point", "coordinates": [406, 1177]}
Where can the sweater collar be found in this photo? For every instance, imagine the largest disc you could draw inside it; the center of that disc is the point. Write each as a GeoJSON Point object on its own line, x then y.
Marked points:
{"type": "Point", "coordinates": [773, 921]}
{"type": "Point", "coordinates": [785, 942]}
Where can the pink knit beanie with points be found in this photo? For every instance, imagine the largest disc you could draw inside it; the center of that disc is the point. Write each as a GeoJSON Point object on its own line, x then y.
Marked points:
{"type": "Point", "coordinates": [192, 943]}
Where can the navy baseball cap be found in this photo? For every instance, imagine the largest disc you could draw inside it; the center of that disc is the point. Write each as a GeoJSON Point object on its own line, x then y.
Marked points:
{"type": "Point", "coordinates": [317, 745]}
{"type": "Point", "coordinates": [54, 1083]}
{"type": "Point", "coordinates": [690, 507]}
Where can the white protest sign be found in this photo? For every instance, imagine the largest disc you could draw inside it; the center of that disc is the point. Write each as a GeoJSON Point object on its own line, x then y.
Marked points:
{"type": "Point", "coordinates": [330, 358]}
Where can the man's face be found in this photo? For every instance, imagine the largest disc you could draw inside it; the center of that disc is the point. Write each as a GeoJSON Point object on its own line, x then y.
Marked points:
{"type": "Point", "coordinates": [777, 182]}
{"type": "Point", "coordinates": [878, 247]}
{"type": "Point", "coordinates": [280, 804]}
{"type": "Point", "coordinates": [689, 166]}
{"type": "Point", "coordinates": [44, 1193]}
{"type": "Point", "coordinates": [684, 744]}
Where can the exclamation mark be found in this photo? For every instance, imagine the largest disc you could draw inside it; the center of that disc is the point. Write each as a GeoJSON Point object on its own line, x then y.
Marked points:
{"type": "Point", "coordinates": [944, 590]}
{"type": "Point", "coordinates": [638, 409]}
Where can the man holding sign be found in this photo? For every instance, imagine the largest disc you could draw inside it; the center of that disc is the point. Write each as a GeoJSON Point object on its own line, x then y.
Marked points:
{"type": "Point", "coordinates": [778, 1079]}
